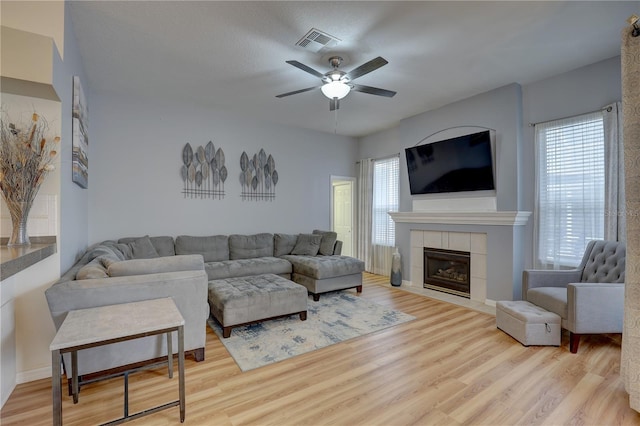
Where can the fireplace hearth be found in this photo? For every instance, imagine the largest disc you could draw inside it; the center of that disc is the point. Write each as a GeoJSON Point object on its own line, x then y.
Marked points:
{"type": "Point", "coordinates": [447, 271]}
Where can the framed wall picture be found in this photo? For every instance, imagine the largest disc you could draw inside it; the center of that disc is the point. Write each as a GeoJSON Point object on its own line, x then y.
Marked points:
{"type": "Point", "coordinates": [80, 164]}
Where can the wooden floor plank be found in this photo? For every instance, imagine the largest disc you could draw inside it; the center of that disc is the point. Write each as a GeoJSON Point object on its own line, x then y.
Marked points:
{"type": "Point", "coordinates": [450, 366]}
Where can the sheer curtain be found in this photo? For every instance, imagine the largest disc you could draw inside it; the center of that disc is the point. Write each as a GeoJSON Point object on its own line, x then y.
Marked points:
{"type": "Point", "coordinates": [630, 364]}
{"type": "Point", "coordinates": [570, 189]}
{"type": "Point", "coordinates": [364, 226]}
{"type": "Point", "coordinates": [614, 220]}
{"type": "Point", "coordinates": [385, 199]}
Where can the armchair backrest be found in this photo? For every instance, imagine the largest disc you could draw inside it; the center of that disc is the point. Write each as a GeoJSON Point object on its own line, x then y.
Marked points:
{"type": "Point", "coordinates": [603, 262]}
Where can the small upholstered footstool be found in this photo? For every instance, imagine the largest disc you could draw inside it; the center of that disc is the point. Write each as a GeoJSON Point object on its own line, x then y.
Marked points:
{"type": "Point", "coordinates": [527, 323]}
{"type": "Point", "coordinates": [244, 300]}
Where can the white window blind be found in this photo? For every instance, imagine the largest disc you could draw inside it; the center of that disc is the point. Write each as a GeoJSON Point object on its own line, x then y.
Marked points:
{"type": "Point", "coordinates": [385, 199]}
{"type": "Point", "coordinates": [570, 188]}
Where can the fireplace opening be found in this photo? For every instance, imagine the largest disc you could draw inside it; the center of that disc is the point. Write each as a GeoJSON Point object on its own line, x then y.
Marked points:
{"type": "Point", "coordinates": [447, 271]}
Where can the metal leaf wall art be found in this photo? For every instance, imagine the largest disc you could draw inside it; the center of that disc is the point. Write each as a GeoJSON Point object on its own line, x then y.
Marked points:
{"type": "Point", "coordinates": [258, 177]}
{"type": "Point", "coordinates": [203, 172]}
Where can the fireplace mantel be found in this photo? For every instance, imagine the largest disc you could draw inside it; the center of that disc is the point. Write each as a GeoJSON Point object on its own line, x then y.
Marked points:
{"type": "Point", "coordinates": [497, 218]}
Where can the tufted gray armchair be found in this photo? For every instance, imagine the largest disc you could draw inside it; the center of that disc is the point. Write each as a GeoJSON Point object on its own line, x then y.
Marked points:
{"type": "Point", "coordinates": [590, 298]}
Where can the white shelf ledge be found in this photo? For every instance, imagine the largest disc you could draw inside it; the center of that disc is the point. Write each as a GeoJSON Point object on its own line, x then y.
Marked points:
{"type": "Point", "coordinates": [501, 218]}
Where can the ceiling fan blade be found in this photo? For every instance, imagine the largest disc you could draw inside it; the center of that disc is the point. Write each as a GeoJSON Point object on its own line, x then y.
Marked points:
{"type": "Point", "coordinates": [366, 68]}
{"type": "Point", "coordinates": [373, 90]}
{"type": "Point", "coordinates": [305, 68]}
{"type": "Point", "coordinates": [295, 92]}
{"type": "Point", "coordinates": [334, 104]}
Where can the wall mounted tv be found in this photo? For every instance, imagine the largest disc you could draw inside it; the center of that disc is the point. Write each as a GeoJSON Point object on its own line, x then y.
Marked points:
{"type": "Point", "coordinates": [464, 163]}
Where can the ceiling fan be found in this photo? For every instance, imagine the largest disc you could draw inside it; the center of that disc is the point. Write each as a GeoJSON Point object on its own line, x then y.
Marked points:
{"type": "Point", "coordinates": [336, 84]}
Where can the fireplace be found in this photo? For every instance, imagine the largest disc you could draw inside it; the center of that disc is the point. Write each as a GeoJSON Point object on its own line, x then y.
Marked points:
{"type": "Point", "coordinates": [447, 271]}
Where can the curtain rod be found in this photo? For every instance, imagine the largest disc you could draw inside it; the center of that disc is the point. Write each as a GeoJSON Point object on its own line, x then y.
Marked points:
{"type": "Point", "coordinates": [608, 109]}
{"type": "Point", "coordinates": [380, 158]}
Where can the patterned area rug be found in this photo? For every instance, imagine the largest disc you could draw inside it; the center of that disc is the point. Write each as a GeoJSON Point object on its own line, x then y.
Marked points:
{"type": "Point", "coordinates": [335, 318]}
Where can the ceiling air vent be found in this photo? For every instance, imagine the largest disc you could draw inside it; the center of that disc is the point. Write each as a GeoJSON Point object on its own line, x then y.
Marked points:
{"type": "Point", "coordinates": [316, 40]}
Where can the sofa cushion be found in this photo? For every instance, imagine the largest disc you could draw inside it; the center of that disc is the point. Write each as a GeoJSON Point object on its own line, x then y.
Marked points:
{"type": "Point", "coordinates": [328, 242]}
{"type": "Point", "coordinates": [164, 245]}
{"type": "Point", "coordinates": [142, 248]}
{"type": "Point", "coordinates": [283, 244]}
{"type": "Point", "coordinates": [307, 244]}
{"type": "Point", "coordinates": [213, 248]}
{"type": "Point", "coordinates": [322, 267]}
{"type": "Point", "coordinates": [553, 299]}
{"type": "Point", "coordinates": [246, 267]}
{"type": "Point", "coordinates": [158, 265]}
{"type": "Point", "coordinates": [250, 246]}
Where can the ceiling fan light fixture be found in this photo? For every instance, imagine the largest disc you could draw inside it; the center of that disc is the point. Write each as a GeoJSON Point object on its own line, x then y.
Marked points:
{"type": "Point", "coordinates": [335, 90]}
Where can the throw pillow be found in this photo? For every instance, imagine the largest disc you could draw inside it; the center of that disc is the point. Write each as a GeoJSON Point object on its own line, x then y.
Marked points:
{"type": "Point", "coordinates": [214, 248]}
{"type": "Point", "coordinates": [328, 242]}
{"type": "Point", "coordinates": [307, 245]}
{"type": "Point", "coordinates": [283, 244]}
{"type": "Point", "coordinates": [142, 248]}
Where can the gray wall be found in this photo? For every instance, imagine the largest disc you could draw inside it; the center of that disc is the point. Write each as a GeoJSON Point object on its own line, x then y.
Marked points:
{"type": "Point", "coordinates": [135, 184]}
{"type": "Point", "coordinates": [74, 215]}
{"type": "Point", "coordinates": [508, 110]}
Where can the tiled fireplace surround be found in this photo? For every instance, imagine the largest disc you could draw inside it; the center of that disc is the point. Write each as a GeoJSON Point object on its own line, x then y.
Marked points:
{"type": "Point", "coordinates": [494, 240]}
{"type": "Point", "coordinates": [472, 242]}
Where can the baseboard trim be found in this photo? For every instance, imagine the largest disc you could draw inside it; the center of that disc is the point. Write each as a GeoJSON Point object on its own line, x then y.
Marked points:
{"type": "Point", "coordinates": [5, 397]}
{"type": "Point", "coordinates": [490, 302]}
{"type": "Point", "coordinates": [32, 375]}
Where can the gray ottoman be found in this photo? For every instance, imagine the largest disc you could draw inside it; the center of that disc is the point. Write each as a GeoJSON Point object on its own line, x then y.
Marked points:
{"type": "Point", "coordinates": [527, 323]}
{"type": "Point", "coordinates": [244, 300]}
{"type": "Point", "coordinates": [321, 274]}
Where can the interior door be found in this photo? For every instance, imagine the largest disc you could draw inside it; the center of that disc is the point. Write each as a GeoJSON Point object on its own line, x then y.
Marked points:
{"type": "Point", "coordinates": [343, 214]}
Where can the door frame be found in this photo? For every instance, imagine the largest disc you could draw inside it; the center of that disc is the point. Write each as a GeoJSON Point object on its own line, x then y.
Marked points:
{"type": "Point", "coordinates": [351, 180]}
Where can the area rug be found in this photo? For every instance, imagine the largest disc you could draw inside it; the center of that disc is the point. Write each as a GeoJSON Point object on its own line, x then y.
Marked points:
{"type": "Point", "coordinates": [336, 317]}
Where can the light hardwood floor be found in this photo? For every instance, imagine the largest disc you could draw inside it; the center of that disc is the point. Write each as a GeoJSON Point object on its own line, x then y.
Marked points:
{"type": "Point", "coordinates": [450, 366]}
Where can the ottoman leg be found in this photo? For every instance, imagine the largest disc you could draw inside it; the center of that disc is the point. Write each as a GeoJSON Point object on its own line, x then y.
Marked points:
{"type": "Point", "coordinates": [226, 332]}
{"type": "Point", "coordinates": [316, 297]}
{"type": "Point", "coordinates": [303, 316]}
{"type": "Point", "coordinates": [198, 354]}
{"type": "Point", "coordinates": [359, 289]}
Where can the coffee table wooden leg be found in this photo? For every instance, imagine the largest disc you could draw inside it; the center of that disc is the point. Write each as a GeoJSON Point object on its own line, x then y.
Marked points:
{"type": "Point", "coordinates": [56, 386]}
{"type": "Point", "coordinates": [181, 372]}
{"type": "Point", "coordinates": [74, 375]}
{"type": "Point", "coordinates": [170, 354]}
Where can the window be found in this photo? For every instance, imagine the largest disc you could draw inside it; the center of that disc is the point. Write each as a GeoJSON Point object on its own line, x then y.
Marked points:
{"type": "Point", "coordinates": [385, 199]}
{"type": "Point", "coordinates": [570, 208]}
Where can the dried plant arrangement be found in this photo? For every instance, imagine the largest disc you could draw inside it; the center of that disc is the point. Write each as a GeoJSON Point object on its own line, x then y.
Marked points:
{"type": "Point", "coordinates": [26, 157]}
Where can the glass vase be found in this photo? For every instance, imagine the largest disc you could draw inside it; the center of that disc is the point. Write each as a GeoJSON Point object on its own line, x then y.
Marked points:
{"type": "Point", "coordinates": [19, 214]}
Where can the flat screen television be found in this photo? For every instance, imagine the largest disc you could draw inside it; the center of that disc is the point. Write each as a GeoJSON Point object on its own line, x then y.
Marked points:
{"type": "Point", "coordinates": [459, 164]}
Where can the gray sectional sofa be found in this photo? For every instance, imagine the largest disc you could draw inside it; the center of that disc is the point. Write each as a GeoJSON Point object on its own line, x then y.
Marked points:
{"type": "Point", "coordinates": [134, 269]}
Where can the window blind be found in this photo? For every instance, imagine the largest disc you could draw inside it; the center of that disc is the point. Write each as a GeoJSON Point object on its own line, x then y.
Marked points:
{"type": "Point", "coordinates": [570, 188]}
{"type": "Point", "coordinates": [385, 199]}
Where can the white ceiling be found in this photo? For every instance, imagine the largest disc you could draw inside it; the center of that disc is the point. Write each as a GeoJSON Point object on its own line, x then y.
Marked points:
{"type": "Point", "coordinates": [231, 55]}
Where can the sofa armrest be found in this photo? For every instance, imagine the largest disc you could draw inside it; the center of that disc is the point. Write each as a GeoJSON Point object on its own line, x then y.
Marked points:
{"type": "Point", "coordinates": [187, 288]}
{"type": "Point", "coordinates": [532, 278]}
{"type": "Point", "coordinates": [595, 307]}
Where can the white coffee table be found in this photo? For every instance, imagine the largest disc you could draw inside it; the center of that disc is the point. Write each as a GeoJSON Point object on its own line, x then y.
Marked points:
{"type": "Point", "coordinates": [87, 328]}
